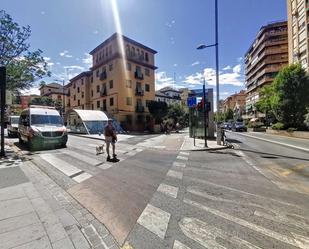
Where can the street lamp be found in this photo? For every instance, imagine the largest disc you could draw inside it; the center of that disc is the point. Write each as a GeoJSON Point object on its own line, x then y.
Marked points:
{"type": "Point", "coordinates": [203, 46]}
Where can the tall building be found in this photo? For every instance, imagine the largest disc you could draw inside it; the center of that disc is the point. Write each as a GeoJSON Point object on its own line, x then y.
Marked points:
{"type": "Point", "coordinates": [54, 91]}
{"type": "Point", "coordinates": [168, 95]}
{"type": "Point", "coordinates": [264, 59]}
{"type": "Point", "coordinates": [236, 103]}
{"type": "Point", "coordinates": [121, 82]}
{"type": "Point", "coordinates": [298, 20]}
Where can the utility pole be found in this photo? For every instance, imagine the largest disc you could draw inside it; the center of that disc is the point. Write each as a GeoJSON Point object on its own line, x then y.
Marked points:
{"type": "Point", "coordinates": [205, 114]}
{"type": "Point", "coordinates": [3, 97]}
{"type": "Point", "coordinates": [217, 72]}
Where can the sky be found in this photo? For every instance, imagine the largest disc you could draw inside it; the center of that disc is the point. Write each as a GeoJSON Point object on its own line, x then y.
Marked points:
{"type": "Point", "coordinates": [67, 30]}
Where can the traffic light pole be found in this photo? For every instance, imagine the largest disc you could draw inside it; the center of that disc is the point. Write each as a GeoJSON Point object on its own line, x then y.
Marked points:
{"type": "Point", "coordinates": [2, 89]}
{"type": "Point", "coordinates": [205, 114]}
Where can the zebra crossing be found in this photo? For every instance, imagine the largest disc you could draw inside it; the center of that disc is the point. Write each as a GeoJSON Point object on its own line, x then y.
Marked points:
{"type": "Point", "coordinates": [196, 230]}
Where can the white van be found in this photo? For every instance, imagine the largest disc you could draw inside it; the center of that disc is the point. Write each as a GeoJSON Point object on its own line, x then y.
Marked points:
{"type": "Point", "coordinates": [40, 126]}
{"type": "Point", "coordinates": [13, 126]}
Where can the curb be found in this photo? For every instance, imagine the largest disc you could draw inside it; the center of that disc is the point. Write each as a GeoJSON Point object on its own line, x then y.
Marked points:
{"type": "Point", "coordinates": [275, 142]}
{"type": "Point", "coordinates": [208, 149]}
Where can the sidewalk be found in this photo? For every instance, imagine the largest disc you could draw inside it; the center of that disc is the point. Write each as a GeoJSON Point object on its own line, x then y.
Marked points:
{"type": "Point", "coordinates": [296, 143]}
{"type": "Point", "coordinates": [188, 144]}
{"type": "Point", "coordinates": [36, 213]}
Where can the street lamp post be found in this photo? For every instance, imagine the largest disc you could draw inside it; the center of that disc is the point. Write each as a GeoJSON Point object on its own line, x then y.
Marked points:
{"type": "Point", "coordinates": [216, 45]}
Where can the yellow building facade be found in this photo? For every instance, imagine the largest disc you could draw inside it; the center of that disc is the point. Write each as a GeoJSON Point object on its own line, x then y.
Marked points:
{"type": "Point", "coordinates": [121, 82]}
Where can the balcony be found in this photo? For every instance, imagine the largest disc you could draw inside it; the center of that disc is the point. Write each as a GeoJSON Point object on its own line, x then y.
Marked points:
{"type": "Point", "coordinates": [138, 75]}
{"type": "Point", "coordinates": [139, 92]}
{"type": "Point", "coordinates": [103, 92]}
{"type": "Point", "coordinates": [103, 76]}
{"type": "Point", "coordinates": [139, 108]}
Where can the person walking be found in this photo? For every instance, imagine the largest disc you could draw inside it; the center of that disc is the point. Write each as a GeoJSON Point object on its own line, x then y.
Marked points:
{"type": "Point", "coordinates": [110, 138]}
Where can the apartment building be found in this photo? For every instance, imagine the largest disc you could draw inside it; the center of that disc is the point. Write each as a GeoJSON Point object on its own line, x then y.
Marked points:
{"type": "Point", "coordinates": [298, 20]}
{"type": "Point", "coordinates": [265, 58]}
{"type": "Point", "coordinates": [121, 82]}
{"type": "Point", "coordinates": [236, 103]}
{"type": "Point", "coordinates": [54, 91]}
{"type": "Point", "coordinates": [168, 95]}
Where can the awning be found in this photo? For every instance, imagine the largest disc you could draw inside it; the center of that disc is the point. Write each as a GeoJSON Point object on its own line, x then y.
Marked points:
{"type": "Point", "coordinates": [90, 115]}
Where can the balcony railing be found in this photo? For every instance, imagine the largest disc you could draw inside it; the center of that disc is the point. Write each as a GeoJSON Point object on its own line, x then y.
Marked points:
{"type": "Point", "coordinates": [103, 92]}
{"type": "Point", "coordinates": [139, 108]}
{"type": "Point", "coordinates": [138, 75]}
{"type": "Point", "coordinates": [139, 92]}
{"type": "Point", "coordinates": [103, 76]}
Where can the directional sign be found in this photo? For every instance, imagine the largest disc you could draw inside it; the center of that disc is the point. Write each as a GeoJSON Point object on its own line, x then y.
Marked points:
{"type": "Point", "coordinates": [191, 102]}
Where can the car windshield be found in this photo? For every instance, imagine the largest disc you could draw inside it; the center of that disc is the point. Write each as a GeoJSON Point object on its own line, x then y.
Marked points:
{"type": "Point", "coordinates": [14, 120]}
{"type": "Point", "coordinates": [46, 120]}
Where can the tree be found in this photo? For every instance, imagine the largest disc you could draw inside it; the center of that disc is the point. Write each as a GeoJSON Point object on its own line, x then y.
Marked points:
{"type": "Point", "coordinates": [229, 115]}
{"type": "Point", "coordinates": [290, 96]}
{"type": "Point", "coordinates": [46, 101]}
{"type": "Point", "coordinates": [307, 118]}
{"type": "Point", "coordinates": [179, 114]}
{"type": "Point", "coordinates": [158, 110]}
{"type": "Point", "coordinates": [23, 66]}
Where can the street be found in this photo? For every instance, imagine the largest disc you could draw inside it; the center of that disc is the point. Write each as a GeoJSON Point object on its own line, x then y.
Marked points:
{"type": "Point", "coordinates": [159, 196]}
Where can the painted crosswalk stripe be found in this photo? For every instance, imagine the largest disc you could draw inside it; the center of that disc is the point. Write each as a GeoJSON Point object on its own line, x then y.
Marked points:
{"type": "Point", "coordinates": [179, 245]}
{"type": "Point", "coordinates": [175, 174]}
{"type": "Point", "coordinates": [82, 157]}
{"type": "Point", "coordinates": [168, 190]}
{"type": "Point", "coordinates": [184, 153]}
{"type": "Point", "coordinates": [82, 177]}
{"type": "Point", "coordinates": [285, 239]}
{"type": "Point", "coordinates": [61, 165]}
{"type": "Point", "coordinates": [179, 164]}
{"type": "Point", "coordinates": [155, 220]}
{"type": "Point", "coordinates": [206, 234]}
{"type": "Point", "coordinates": [182, 158]}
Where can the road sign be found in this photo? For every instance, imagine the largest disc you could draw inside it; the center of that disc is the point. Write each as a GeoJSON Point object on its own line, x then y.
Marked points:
{"type": "Point", "coordinates": [191, 102]}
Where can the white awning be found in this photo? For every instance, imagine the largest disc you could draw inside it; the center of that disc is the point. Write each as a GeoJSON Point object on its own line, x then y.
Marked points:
{"type": "Point", "coordinates": [90, 115]}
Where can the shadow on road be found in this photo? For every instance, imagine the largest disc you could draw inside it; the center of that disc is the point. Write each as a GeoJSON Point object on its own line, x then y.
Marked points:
{"type": "Point", "coordinates": [230, 140]}
{"type": "Point", "coordinates": [273, 156]}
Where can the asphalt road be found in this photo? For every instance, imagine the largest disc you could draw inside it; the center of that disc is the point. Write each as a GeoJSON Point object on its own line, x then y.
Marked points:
{"type": "Point", "coordinates": [253, 196]}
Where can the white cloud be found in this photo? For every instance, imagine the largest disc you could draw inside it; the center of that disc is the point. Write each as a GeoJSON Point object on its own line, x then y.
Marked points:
{"type": "Point", "coordinates": [31, 91]}
{"type": "Point", "coordinates": [227, 68]}
{"type": "Point", "coordinates": [87, 60]}
{"type": "Point", "coordinates": [74, 67]}
{"type": "Point", "coordinates": [170, 24]}
{"type": "Point", "coordinates": [42, 12]}
{"type": "Point", "coordinates": [175, 65]}
{"type": "Point", "coordinates": [240, 59]}
{"type": "Point", "coordinates": [66, 54]}
{"type": "Point", "coordinates": [162, 80]}
{"type": "Point", "coordinates": [233, 78]}
{"type": "Point", "coordinates": [58, 63]}
{"type": "Point", "coordinates": [95, 32]}
{"type": "Point", "coordinates": [195, 63]}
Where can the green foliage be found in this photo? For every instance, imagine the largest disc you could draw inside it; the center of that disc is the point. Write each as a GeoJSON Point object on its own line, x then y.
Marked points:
{"type": "Point", "coordinates": [45, 101]}
{"type": "Point", "coordinates": [179, 114]}
{"type": "Point", "coordinates": [266, 100]}
{"type": "Point", "coordinates": [307, 118]}
{"type": "Point", "coordinates": [291, 129]}
{"type": "Point", "coordinates": [278, 126]}
{"type": "Point", "coordinates": [158, 110]}
{"type": "Point", "coordinates": [23, 66]}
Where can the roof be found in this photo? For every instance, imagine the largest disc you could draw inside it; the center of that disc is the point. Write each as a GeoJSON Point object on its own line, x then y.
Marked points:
{"type": "Point", "coordinates": [114, 36]}
{"type": "Point", "coordinates": [51, 85]}
{"type": "Point", "coordinates": [43, 111]}
{"type": "Point", "coordinates": [82, 74]}
{"type": "Point", "coordinates": [90, 115]}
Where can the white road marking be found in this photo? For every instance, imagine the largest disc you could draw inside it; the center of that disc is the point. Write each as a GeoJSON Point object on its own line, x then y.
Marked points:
{"type": "Point", "coordinates": [302, 241]}
{"type": "Point", "coordinates": [182, 158]}
{"type": "Point", "coordinates": [206, 234]}
{"type": "Point", "coordinates": [159, 147]}
{"type": "Point", "coordinates": [61, 165]}
{"type": "Point", "coordinates": [82, 157]}
{"type": "Point", "coordinates": [179, 164]}
{"type": "Point", "coordinates": [179, 245]}
{"type": "Point", "coordinates": [155, 220]}
{"type": "Point", "coordinates": [82, 177]}
{"type": "Point", "coordinates": [285, 239]}
{"type": "Point", "coordinates": [184, 153]}
{"type": "Point", "coordinates": [175, 174]}
{"type": "Point", "coordinates": [105, 166]}
{"type": "Point", "coordinates": [240, 191]}
{"type": "Point", "coordinates": [168, 190]}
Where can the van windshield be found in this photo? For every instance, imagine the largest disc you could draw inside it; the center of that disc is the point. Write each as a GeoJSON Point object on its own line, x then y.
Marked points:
{"type": "Point", "coordinates": [14, 120]}
{"type": "Point", "coordinates": [46, 120]}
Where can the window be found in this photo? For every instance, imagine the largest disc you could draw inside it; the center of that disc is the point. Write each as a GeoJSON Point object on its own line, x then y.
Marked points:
{"type": "Point", "coordinates": [78, 89]}
{"type": "Point", "coordinates": [98, 73]}
{"type": "Point", "coordinates": [98, 104]}
{"type": "Point", "coordinates": [98, 89]}
{"type": "Point", "coordinates": [147, 71]}
{"type": "Point", "coordinates": [74, 97]}
{"type": "Point", "coordinates": [91, 93]}
{"type": "Point", "coordinates": [82, 81]}
{"type": "Point", "coordinates": [104, 105]}
{"type": "Point", "coordinates": [82, 94]}
{"type": "Point", "coordinates": [110, 67]}
{"type": "Point", "coordinates": [92, 106]}
{"type": "Point", "coordinates": [78, 102]}
{"type": "Point", "coordinates": [129, 66]}
{"type": "Point", "coordinates": [106, 52]}
{"type": "Point", "coordinates": [129, 100]}
{"type": "Point", "coordinates": [129, 83]}
{"type": "Point", "coordinates": [147, 102]}
{"type": "Point", "coordinates": [111, 101]}
{"type": "Point", "coordinates": [91, 79]}
{"type": "Point", "coordinates": [146, 57]}
{"type": "Point", "coordinates": [74, 86]}
{"type": "Point", "coordinates": [111, 84]}
{"type": "Point", "coordinates": [147, 87]}
{"type": "Point", "coordinates": [110, 50]}
{"type": "Point", "coordinates": [129, 119]}
{"type": "Point", "coordinates": [83, 107]}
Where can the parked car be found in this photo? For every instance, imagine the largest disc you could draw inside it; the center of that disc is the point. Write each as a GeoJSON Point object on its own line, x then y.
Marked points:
{"type": "Point", "coordinates": [41, 126]}
{"type": "Point", "coordinates": [239, 126]}
{"type": "Point", "coordinates": [12, 126]}
{"type": "Point", "coordinates": [227, 126]}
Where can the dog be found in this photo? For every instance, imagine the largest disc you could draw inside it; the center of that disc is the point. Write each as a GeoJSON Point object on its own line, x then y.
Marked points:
{"type": "Point", "coordinates": [99, 149]}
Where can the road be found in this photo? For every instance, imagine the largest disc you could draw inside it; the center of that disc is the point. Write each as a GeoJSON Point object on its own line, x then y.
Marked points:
{"type": "Point", "coordinates": [157, 196]}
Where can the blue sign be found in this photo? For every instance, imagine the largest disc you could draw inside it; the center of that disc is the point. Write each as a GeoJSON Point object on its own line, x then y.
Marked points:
{"type": "Point", "coordinates": [191, 102]}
